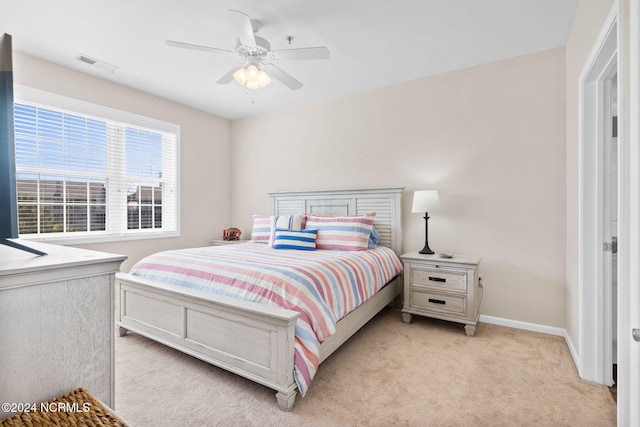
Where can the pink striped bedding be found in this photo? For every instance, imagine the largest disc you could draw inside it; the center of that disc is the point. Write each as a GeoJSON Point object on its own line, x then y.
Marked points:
{"type": "Point", "coordinates": [322, 285]}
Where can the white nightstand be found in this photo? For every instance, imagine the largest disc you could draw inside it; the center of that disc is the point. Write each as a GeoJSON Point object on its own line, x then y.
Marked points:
{"type": "Point", "coordinates": [220, 242]}
{"type": "Point", "coordinates": [444, 288]}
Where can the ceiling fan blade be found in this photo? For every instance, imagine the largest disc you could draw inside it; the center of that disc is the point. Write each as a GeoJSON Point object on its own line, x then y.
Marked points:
{"type": "Point", "coordinates": [173, 43]}
{"type": "Point", "coordinates": [320, 52]}
{"type": "Point", "coordinates": [284, 77]}
{"type": "Point", "coordinates": [242, 22]}
{"type": "Point", "coordinates": [228, 78]}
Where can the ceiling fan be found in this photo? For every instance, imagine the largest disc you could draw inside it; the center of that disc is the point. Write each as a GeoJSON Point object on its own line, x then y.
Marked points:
{"type": "Point", "coordinates": [258, 66]}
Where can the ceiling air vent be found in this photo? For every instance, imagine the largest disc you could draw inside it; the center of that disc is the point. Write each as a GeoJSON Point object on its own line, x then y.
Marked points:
{"type": "Point", "coordinates": [96, 63]}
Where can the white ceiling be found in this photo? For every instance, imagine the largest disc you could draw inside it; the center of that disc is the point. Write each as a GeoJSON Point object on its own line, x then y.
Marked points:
{"type": "Point", "coordinates": [373, 43]}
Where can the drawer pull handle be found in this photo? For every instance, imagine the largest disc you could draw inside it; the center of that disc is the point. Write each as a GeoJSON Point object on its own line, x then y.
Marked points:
{"type": "Point", "coordinates": [437, 279]}
{"type": "Point", "coordinates": [437, 301]}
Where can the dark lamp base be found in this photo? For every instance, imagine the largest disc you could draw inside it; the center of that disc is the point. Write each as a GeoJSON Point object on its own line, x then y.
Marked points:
{"type": "Point", "coordinates": [426, 250]}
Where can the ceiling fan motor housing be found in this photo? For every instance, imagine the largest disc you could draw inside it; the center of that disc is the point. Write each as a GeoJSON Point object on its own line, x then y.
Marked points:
{"type": "Point", "coordinates": [262, 48]}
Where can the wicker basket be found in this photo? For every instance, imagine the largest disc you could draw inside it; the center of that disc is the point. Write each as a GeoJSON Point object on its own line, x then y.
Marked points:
{"type": "Point", "coordinates": [77, 408]}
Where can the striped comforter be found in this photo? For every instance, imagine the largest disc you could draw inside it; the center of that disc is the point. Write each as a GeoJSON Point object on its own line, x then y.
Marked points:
{"type": "Point", "coordinates": [322, 285]}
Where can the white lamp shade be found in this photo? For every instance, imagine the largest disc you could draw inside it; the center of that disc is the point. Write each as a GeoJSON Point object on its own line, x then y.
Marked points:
{"type": "Point", "coordinates": [241, 76]}
{"type": "Point", "coordinates": [251, 77]}
{"type": "Point", "coordinates": [425, 201]}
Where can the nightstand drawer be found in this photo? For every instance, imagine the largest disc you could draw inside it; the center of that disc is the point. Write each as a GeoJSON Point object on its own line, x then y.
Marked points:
{"type": "Point", "coordinates": [434, 301]}
{"type": "Point", "coordinates": [439, 278]}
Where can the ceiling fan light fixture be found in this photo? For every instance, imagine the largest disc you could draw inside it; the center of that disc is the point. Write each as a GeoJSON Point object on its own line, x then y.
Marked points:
{"type": "Point", "coordinates": [251, 77]}
{"type": "Point", "coordinates": [263, 78]}
{"type": "Point", "coordinates": [241, 76]}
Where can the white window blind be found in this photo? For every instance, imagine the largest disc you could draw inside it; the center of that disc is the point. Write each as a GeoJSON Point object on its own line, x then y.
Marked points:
{"type": "Point", "coordinates": [87, 172]}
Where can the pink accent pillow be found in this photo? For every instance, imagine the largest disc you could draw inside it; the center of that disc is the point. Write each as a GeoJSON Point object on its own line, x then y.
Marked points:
{"type": "Point", "coordinates": [342, 233]}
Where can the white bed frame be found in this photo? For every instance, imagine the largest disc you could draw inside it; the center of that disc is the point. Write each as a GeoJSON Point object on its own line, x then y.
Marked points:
{"type": "Point", "coordinates": [253, 340]}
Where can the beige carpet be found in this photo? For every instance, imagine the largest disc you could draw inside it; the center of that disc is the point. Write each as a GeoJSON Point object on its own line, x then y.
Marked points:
{"type": "Point", "coordinates": [428, 373]}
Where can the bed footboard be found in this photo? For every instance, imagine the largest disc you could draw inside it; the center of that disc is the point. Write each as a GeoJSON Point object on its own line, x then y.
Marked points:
{"type": "Point", "coordinates": [252, 340]}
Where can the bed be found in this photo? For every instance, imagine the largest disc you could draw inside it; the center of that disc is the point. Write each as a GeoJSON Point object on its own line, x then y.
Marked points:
{"type": "Point", "coordinates": [257, 341]}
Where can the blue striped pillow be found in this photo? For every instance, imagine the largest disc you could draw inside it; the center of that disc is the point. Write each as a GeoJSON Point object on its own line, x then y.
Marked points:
{"type": "Point", "coordinates": [304, 240]}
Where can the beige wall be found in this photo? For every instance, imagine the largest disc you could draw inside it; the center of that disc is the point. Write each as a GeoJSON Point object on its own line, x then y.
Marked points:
{"type": "Point", "coordinates": [587, 24]}
{"type": "Point", "coordinates": [489, 138]}
{"type": "Point", "coordinates": [205, 190]}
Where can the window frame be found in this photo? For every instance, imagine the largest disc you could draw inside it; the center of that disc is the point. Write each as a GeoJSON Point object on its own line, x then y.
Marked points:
{"type": "Point", "coordinates": [23, 94]}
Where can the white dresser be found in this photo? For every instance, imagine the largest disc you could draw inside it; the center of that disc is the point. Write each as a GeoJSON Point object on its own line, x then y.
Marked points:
{"type": "Point", "coordinates": [444, 288]}
{"type": "Point", "coordinates": [56, 323]}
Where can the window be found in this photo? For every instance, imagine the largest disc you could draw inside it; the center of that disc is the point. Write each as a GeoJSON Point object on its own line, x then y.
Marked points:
{"type": "Point", "coordinates": [86, 172]}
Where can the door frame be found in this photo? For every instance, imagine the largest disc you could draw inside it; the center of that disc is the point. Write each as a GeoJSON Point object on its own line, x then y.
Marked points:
{"type": "Point", "coordinates": [625, 15]}
{"type": "Point", "coordinates": [595, 308]}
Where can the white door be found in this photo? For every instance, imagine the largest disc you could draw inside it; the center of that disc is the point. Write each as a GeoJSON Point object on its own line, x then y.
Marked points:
{"type": "Point", "coordinates": [629, 283]}
{"type": "Point", "coordinates": [635, 361]}
{"type": "Point", "coordinates": [630, 332]}
{"type": "Point", "coordinates": [634, 356]}
{"type": "Point", "coordinates": [609, 225]}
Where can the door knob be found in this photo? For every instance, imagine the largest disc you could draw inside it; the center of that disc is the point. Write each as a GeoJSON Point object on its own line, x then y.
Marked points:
{"type": "Point", "coordinates": [636, 334]}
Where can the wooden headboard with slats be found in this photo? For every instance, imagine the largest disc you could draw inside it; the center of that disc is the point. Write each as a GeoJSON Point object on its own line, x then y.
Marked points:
{"type": "Point", "coordinates": [385, 202]}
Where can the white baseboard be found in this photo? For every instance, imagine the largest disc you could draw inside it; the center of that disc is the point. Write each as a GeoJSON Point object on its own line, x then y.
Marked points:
{"type": "Point", "coordinates": [572, 350]}
{"type": "Point", "coordinates": [534, 327]}
{"type": "Point", "coordinates": [523, 325]}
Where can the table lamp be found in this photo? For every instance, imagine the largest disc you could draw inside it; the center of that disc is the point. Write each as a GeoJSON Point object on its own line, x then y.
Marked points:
{"type": "Point", "coordinates": [425, 201]}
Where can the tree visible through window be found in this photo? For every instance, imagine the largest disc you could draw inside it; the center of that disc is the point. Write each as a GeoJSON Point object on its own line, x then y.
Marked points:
{"type": "Point", "coordinates": [82, 174]}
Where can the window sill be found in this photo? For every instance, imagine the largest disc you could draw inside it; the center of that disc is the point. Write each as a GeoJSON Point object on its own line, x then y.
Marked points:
{"type": "Point", "coordinates": [87, 238]}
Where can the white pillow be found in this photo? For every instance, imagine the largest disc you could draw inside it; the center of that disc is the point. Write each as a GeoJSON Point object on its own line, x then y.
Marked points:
{"type": "Point", "coordinates": [286, 222]}
{"type": "Point", "coordinates": [264, 226]}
